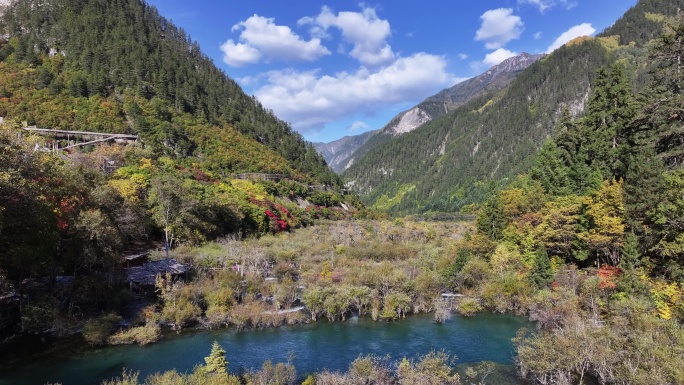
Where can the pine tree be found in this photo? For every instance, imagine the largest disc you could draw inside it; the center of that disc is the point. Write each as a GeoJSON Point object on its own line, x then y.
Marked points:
{"type": "Point", "coordinates": [541, 274]}
{"type": "Point", "coordinates": [642, 187]}
{"type": "Point", "coordinates": [216, 361]}
{"type": "Point", "coordinates": [630, 253]}
{"type": "Point", "coordinates": [609, 111]}
{"type": "Point", "coordinates": [664, 115]}
{"type": "Point", "coordinates": [551, 171]}
{"type": "Point", "coordinates": [656, 138]}
{"type": "Point", "coordinates": [574, 143]}
{"type": "Point", "coordinates": [491, 219]}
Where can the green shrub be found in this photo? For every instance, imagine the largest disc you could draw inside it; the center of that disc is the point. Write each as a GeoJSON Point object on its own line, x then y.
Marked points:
{"type": "Point", "coordinates": [96, 330]}
{"type": "Point", "coordinates": [141, 335]}
{"type": "Point", "coordinates": [469, 306]}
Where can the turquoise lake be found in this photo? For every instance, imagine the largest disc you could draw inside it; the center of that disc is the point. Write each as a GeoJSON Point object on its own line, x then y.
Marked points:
{"type": "Point", "coordinates": [314, 347]}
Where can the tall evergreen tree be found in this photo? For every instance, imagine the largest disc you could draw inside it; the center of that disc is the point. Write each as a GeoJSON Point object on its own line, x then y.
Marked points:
{"type": "Point", "coordinates": [216, 361]}
{"type": "Point", "coordinates": [541, 273]}
{"type": "Point", "coordinates": [573, 143]}
{"type": "Point", "coordinates": [609, 112]}
{"type": "Point", "coordinates": [491, 219]}
{"type": "Point", "coordinates": [664, 115]}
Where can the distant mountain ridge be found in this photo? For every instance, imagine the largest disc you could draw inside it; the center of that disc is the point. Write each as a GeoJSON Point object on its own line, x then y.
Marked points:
{"type": "Point", "coordinates": [340, 154]}
{"type": "Point", "coordinates": [492, 80]}
{"type": "Point", "coordinates": [337, 152]}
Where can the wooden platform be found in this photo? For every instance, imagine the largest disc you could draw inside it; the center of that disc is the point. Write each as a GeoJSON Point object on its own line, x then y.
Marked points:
{"type": "Point", "coordinates": [88, 136]}
{"type": "Point", "coordinates": [146, 274]}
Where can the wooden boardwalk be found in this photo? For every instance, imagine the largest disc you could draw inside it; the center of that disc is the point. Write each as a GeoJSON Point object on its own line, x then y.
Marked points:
{"type": "Point", "coordinates": [89, 137]}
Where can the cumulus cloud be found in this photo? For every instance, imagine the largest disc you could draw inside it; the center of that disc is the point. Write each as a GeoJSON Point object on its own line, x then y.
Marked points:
{"type": "Point", "coordinates": [462, 56]}
{"type": "Point", "coordinates": [309, 100]}
{"type": "Point", "coordinates": [366, 32]}
{"type": "Point", "coordinates": [499, 26]}
{"type": "Point", "coordinates": [537, 35]}
{"type": "Point", "coordinates": [496, 57]}
{"type": "Point", "coordinates": [357, 126]}
{"type": "Point", "coordinates": [584, 29]}
{"type": "Point", "coordinates": [545, 5]}
{"type": "Point", "coordinates": [238, 54]}
{"type": "Point", "coordinates": [261, 38]}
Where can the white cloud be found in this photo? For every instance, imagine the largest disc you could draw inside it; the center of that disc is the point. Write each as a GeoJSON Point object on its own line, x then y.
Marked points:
{"type": "Point", "coordinates": [584, 29]}
{"type": "Point", "coordinates": [261, 38]}
{"type": "Point", "coordinates": [499, 26]}
{"type": "Point", "coordinates": [462, 56]}
{"type": "Point", "coordinates": [238, 54]}
{"type": "Point", "coordinates": [537, 35]}
{"type": "Point", "coordinates": [496, 57]}
{"type": "Point", "coordinates": [545, 5]}
{"type": "Point", "coordinates": [364, 30]}
{"type": "Point", "coordinates": [357, 126]}
{"type": "Point", "coordinates": [309, 100]}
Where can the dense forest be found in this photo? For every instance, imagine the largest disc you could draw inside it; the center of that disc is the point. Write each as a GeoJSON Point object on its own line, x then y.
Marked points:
{"type": "Point", "coordinates": [457, 159]}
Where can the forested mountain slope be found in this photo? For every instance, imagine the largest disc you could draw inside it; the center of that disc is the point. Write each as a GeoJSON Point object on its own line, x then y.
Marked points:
{"type": "Point", "coordinates": [450, 161]}
{"type": "Point", "coordinates": [493, 80]}
{"type": "Point", "coordinates": [210, 161]}
{"type": "Point", "coordinates": [119, 66]}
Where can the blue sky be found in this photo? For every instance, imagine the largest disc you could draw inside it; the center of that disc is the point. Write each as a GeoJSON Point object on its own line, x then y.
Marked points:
{"type": "Point", "coordinates": [336, 68]}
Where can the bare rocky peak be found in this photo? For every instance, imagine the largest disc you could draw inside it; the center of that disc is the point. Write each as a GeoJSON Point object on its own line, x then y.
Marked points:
{"type": "Point", "coordinates": [410, 120]}
{"type": "Point", "coordinates": [513, 64]}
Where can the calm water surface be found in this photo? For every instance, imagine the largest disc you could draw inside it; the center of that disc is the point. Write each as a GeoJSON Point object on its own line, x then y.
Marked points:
{"type": "Point", "coordinates": [314, 347]}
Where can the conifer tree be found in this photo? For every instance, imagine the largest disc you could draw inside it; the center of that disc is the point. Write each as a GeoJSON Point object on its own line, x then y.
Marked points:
{"type": "Point", "coordinates": [551, 171]}
{"type": "Point", "coordinates": [491, 219]}
{"type": "Point", "coordinates": [656, 135]}
{"type": "Point", "coordinates": [216, 361]}
{"type": "Point", "coordinates": [574, 143]}
{"type": "Point", "coordinates": [541, 273]}
{"type": "Point", "coordinates": [664, 115]}
{"type": "Point", "coordinates": [630, 252]}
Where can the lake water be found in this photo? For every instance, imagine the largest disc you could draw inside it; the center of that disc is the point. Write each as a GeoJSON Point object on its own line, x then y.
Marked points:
{"type": "Point", "coordinates": [315, 347]}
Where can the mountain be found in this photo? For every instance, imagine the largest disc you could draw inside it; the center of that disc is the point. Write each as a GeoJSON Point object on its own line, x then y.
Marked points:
{"type": "Point", "coordinates": [208, 160]}
{"type": "Point", "coordinates": [493, 80]}
{"type": "Point", "coordinates": [455, 159]}
{"type": "Point", "coordinates": [118, 66]}
{"type": "Point", "coordinates": [337, 152]}
{"type": "Point", "coordinates": [342, 153]}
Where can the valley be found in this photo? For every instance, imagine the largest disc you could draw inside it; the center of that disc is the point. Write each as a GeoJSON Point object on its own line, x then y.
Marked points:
{"type": "Point", "coordinates": [159, 225]}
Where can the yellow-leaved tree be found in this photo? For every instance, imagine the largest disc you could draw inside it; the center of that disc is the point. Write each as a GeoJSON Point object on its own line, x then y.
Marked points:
{"type": "Point", "coordinates": [606, 228]}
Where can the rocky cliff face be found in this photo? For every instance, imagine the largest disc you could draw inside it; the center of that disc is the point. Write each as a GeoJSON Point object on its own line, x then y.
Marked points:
{"type": "Point", "coordinates": [410, 120]}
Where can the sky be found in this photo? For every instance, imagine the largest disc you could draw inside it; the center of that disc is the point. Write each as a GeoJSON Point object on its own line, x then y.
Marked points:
{"type": "Point", "coordinates": [333, 68]}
